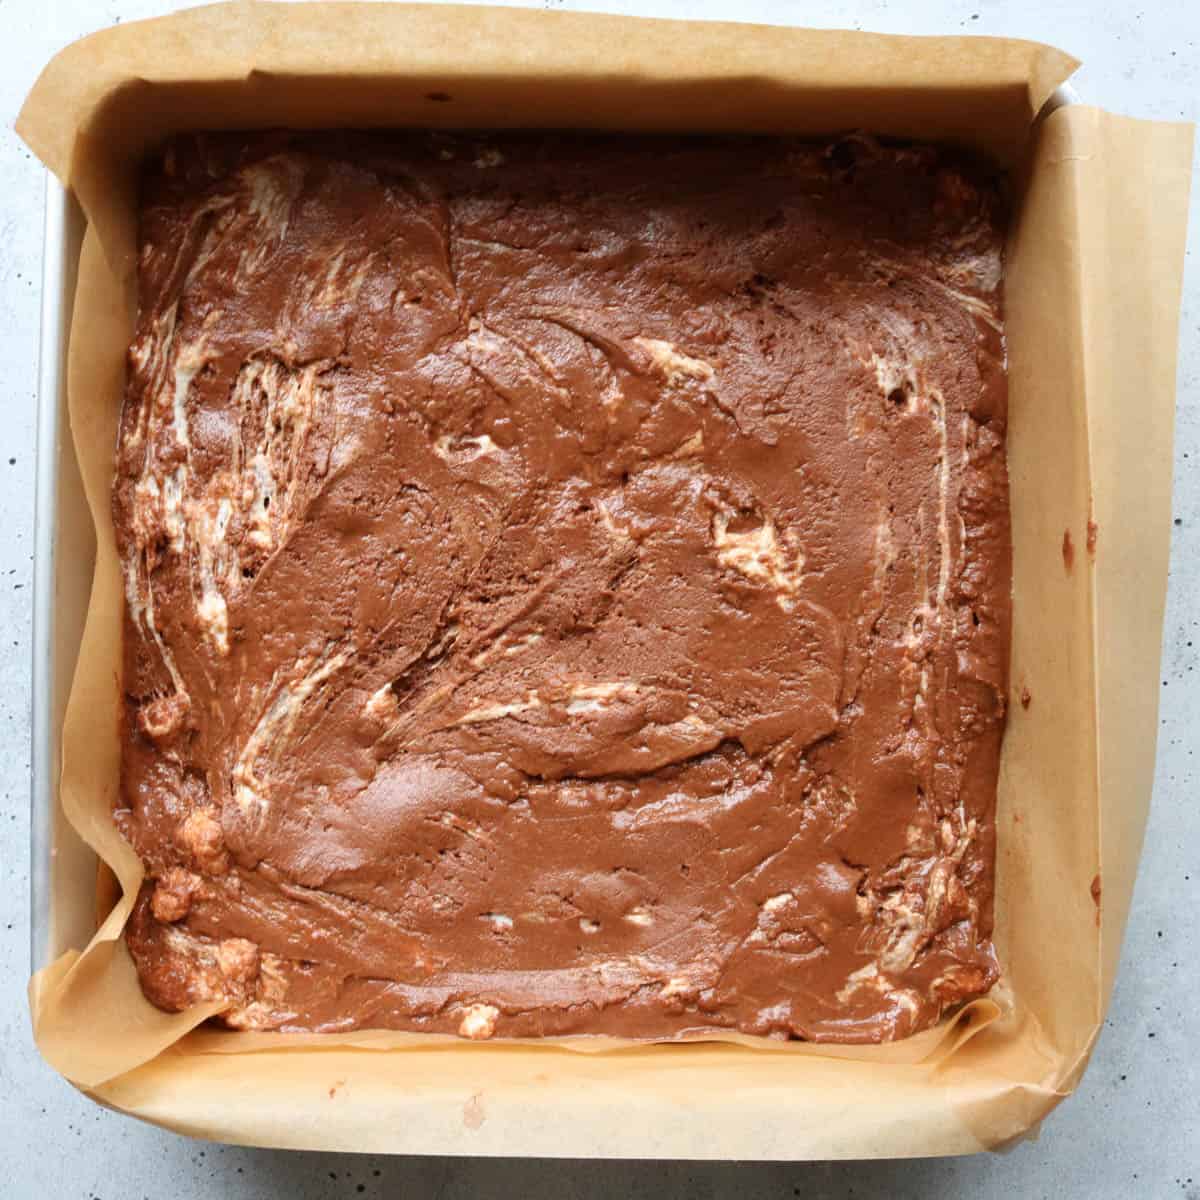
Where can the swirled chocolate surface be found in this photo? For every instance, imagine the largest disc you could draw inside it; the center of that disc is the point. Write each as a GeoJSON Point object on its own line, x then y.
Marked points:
{"type": "Point", "coordinates": [567, 583]}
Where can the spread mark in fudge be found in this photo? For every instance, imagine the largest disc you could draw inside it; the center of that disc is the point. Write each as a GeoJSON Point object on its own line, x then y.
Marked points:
{"type": "Point", "coordinates": [567, 583]}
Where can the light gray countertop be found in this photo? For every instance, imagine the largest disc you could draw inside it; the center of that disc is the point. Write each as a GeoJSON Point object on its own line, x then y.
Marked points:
{"type": "Point", "coordinates": [1132, 1129]}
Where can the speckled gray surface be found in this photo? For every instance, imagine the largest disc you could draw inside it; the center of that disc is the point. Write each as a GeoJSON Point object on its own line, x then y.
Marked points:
{"type": "Point", "coordinates": [1132, 1129]}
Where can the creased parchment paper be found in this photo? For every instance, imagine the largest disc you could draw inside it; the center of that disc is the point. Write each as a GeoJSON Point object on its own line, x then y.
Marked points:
{"type": "Point", "coordinates": [1094, 270]}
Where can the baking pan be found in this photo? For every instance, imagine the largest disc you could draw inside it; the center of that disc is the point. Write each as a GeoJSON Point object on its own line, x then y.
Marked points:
{"type": "Point", "coordinates": [64, 551]}
{"type": "Point", "coordinates": [1096, 268]}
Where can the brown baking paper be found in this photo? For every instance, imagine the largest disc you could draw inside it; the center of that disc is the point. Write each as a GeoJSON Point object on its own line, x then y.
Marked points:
{"type": "Point", "coordinates": [1093, 283]}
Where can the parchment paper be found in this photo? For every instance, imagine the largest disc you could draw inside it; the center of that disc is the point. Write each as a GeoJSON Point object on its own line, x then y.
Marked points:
{"type": "Point", "coordinates": [1093, 279]}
